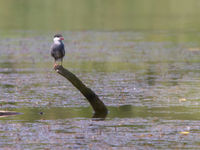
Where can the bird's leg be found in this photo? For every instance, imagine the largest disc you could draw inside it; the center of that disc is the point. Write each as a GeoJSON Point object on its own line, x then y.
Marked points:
{"type": "Point", "coordinates": [55, 64]}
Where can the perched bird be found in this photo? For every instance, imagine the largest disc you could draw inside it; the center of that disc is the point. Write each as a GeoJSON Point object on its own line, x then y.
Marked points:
{"type": "Point", "coordinates": [58, 49]}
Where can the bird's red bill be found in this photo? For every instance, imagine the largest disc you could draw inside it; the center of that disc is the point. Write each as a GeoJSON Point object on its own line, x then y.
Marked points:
{"type": "Point", "coordinates": [61, 38]}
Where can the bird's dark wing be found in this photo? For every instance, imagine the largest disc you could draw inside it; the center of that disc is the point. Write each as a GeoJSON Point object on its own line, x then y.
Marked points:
{"type": "Point", "coordinates": [63, 50]}
{"type": "Point", "coordinates": [58, 51]}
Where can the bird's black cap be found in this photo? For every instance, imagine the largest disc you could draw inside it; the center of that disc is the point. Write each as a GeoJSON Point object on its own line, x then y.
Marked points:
{"type": "Point", "coordinates": [58, 35]}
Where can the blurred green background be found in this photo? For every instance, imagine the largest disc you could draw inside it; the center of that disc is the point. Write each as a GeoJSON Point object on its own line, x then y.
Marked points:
{"type": "Point", "coordinates": [56, 15]}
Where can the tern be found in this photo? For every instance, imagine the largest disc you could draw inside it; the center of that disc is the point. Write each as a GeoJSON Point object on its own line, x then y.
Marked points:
{"type": "Point", "coordinates": [58, 49]}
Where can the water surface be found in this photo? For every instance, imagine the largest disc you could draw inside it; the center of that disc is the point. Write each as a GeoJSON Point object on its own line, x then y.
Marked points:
{"type": "Point", "coordinates": [141, 57]}
{"type": "Point", "coordinates": [148, 80]}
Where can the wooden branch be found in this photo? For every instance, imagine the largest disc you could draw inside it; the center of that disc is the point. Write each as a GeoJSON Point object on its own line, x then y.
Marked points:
{"type": "Point", "coordinates": [7, 113]}
{"type": "Point", "coordinates": [97, 105]}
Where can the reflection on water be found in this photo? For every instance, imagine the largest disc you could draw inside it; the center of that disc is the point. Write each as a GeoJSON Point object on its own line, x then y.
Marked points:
{"type": "Point", "coordinates": [151, 88]}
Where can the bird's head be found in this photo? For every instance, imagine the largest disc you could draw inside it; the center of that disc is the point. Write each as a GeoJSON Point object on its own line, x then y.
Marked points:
{"type": "Point", "coordinates": [58, 38]}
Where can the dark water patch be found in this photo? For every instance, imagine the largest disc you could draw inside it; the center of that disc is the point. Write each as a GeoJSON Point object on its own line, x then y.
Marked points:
{"type": "Point", "coordinates": [126, 111]}
{"type": "Point", "coordinates": [7, 86]}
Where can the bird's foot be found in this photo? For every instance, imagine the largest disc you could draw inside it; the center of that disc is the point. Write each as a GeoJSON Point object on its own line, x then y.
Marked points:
{"type": "Point", "coordinates": [56, 66]}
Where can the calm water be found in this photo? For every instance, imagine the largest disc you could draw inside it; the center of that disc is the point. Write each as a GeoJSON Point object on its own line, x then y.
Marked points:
{"type": "Point", "coordinates": [141, 58]}
{"type": "Point", "coordinates": [151, 88]}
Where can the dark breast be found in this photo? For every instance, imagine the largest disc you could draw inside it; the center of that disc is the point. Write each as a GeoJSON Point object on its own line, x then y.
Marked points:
{"type": "Point", "coordinates": [58, 51]}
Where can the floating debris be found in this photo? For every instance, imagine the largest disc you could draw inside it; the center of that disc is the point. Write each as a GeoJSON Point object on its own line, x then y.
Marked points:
{"type": "Point", "coordinates": [195, 49]}
{"type": "Point", "coordinates": [184, 132]}
{"type": "Point", "coordinates": [182, 100]}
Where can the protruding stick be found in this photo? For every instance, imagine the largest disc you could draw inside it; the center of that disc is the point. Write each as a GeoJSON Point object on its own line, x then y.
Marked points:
{"type": "Point", "coordinates": [97, 105]}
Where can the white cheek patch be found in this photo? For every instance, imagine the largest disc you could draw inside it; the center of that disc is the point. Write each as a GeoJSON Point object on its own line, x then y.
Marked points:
{"type": "Point", "coordinates": [56, 40]}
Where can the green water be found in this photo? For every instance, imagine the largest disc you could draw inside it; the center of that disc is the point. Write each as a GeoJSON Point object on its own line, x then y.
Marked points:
{"type": "Point", "coordinates": [109, 15]}
{"type": "Point", "coordinates": [140, 57]}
